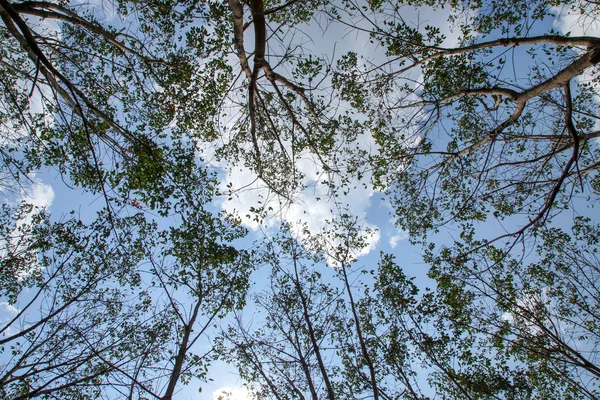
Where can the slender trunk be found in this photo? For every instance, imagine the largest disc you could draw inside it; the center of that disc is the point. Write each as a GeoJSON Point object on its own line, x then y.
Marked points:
{"type": "Point", "coordinates": [311, 333]}
{"type": "Point", "coordinates": [180, 358]}
{"type": "Point", "coordinates": [361, 339]}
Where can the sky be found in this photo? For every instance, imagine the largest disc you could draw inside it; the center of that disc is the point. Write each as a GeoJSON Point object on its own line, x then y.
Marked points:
{"type": "Point", "coordinates": [313, 207]}
{"type": "Point", "coordinates": [365, 202]}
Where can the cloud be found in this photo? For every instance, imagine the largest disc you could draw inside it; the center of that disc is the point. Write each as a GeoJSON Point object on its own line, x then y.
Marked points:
{"type": "Point", "coordinates": [8, 308]}
{"type": "Point", "coordinates": [394, 240]}
{"type": "Point", "coordinates": [314, 208]}
{"type": "Point", "coordinates": [7, 313]}
{"type": "Point", "coordinates": [528, 306]}
{"type": "Point", "coordinates": [570, 20]}
{"type": "Point", "coordinates": [372, 242]}
{"type": "Point", "coordinates": [12, 131]}
{"type": "Point", "coordinates": [39, 194]}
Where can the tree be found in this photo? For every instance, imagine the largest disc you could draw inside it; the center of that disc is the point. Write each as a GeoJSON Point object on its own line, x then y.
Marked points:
{"type": "Point", "coordinates": [522, 329]}
{"type": "Point", "coordinates": [325, 334]}
{"type": "Point", "coordinates": [94, 97]}
{"type": "Point", "coordinates": [97, 100]}
{"type": "Point", "coordinates": [112, 106]}
{"type": "Point", "coordinates": [115, 307]}
{"type": "Point", "coordinates": [471, 141]}
{"type": "Point", "coordinates": [207, 278]}
{"type": "Point", "coordinates": [454, 133]}
{"type": "Point", "coordinates": [466, 144]}
{"type": "Point", "coordinates": [288, 356]}
{"type": "Point", "coordinates": [80, 311]}
{"type": "Point", "coordinates": [517, 330]}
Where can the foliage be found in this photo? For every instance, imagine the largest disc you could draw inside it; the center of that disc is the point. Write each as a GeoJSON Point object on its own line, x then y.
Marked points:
{"type": "Point", "coordinates": [113, 307]}
{"type": "Point", "coordinates": [325, 333]}
{"type": "Point", "coordinates": [533, 321]}
{"type": "Point", "coordinates": [483, 125]}
{"type": "Point", "coordinates": [82, 314]}
{"type": "Point", "coordinates": [474, 142]}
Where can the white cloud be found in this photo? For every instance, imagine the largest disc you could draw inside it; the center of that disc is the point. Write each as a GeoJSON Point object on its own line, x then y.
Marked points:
{"type": "Point", "coordinates": [570, 20]}
{"type": "Point", "coordinates": [394, 240]}
{"type": "Point", "coordinates": [11, 131]}
{"type": "Point", "coordinates": [313, 208]}
{"type": "Point", "coordinates": [231, 393]}
{"type": "Point", "coordinates": [531, 310]}
{"type": "Point", "coordinates": [372, 242]}
{"type": "Point", "coordinates": [39, 194]}
{"type": "Point", "coordinates": [7, 313]}
{"type": "Point", "coordinates": [8, 308]}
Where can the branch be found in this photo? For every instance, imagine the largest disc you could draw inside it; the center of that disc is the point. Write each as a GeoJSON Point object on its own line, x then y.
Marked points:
{"type": "Point", "coordinates": [495, 91]}
{"type": "Point", "coordinates": [302, 128]}
{"type": "Point", "coordinates": [115, 366]}
{"type": "Point", "coordinates": [359, 333]}
{"type": "Point", "coordinates": [300, 91]}
{"type": "Point", "coordinates": [260, 44]}
{"type": "Point", "coordinates": [585, 41]}
{"type": "Point", "coordinates": [489, 138]}
{"type": "Point", "coordinates": [40, 9]}
{"type": "Point", "coordinates": [181, 353]}
{"type": "Point", "coordinates": [281, 7]}
{"type": "Point", "coordinates": [238, 35]}
{"type": "Point", "coordinates": [28, 43]}
{"type": "Point", "coordinates": [590, 58]}
{"type": "Point", "coordinates": [309, 325]}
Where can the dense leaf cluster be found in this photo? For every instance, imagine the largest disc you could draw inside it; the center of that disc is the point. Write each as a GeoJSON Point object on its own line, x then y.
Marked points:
{"type": "Point", "coordinates": [479, 128]}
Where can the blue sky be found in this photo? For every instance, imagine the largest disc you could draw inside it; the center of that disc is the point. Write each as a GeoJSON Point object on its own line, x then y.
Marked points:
{"type": "Point", "coordinates": [313, 207]}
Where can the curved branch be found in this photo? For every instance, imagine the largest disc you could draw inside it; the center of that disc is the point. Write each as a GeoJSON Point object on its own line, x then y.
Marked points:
{"type": "Point", "coordinates": [260, 45]}
{"type": "Point", "coordinates": [589, 59]}
{"type": "Point", "coordinates": [588, 42]}
{"type": "Point", "coordinates": [27, 41]}
{"type": "Point", "coordinates": [494, 91]}
{"type": "Point", "coordinates": [562, 78]}
{"type": "Point", "coordinates": [281, 7]}
{"type": "Point", "coordinates": [238, 35]}
{"type": "Point", "coordinates": [489, 138]}
{"type": "Point", "coordinates": [42, 10]}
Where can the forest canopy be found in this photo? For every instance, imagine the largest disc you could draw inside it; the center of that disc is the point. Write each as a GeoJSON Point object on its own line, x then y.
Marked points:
{"type": "Point", "coordinates": [216, 162]}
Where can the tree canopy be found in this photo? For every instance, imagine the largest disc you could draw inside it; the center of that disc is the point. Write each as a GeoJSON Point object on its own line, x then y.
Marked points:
{"type": "Point", "coordinates": [476, 123]}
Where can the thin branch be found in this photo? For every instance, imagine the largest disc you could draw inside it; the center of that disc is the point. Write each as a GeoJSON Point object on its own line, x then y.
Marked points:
{"type": "Point", "coordinates": [495, 91]}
